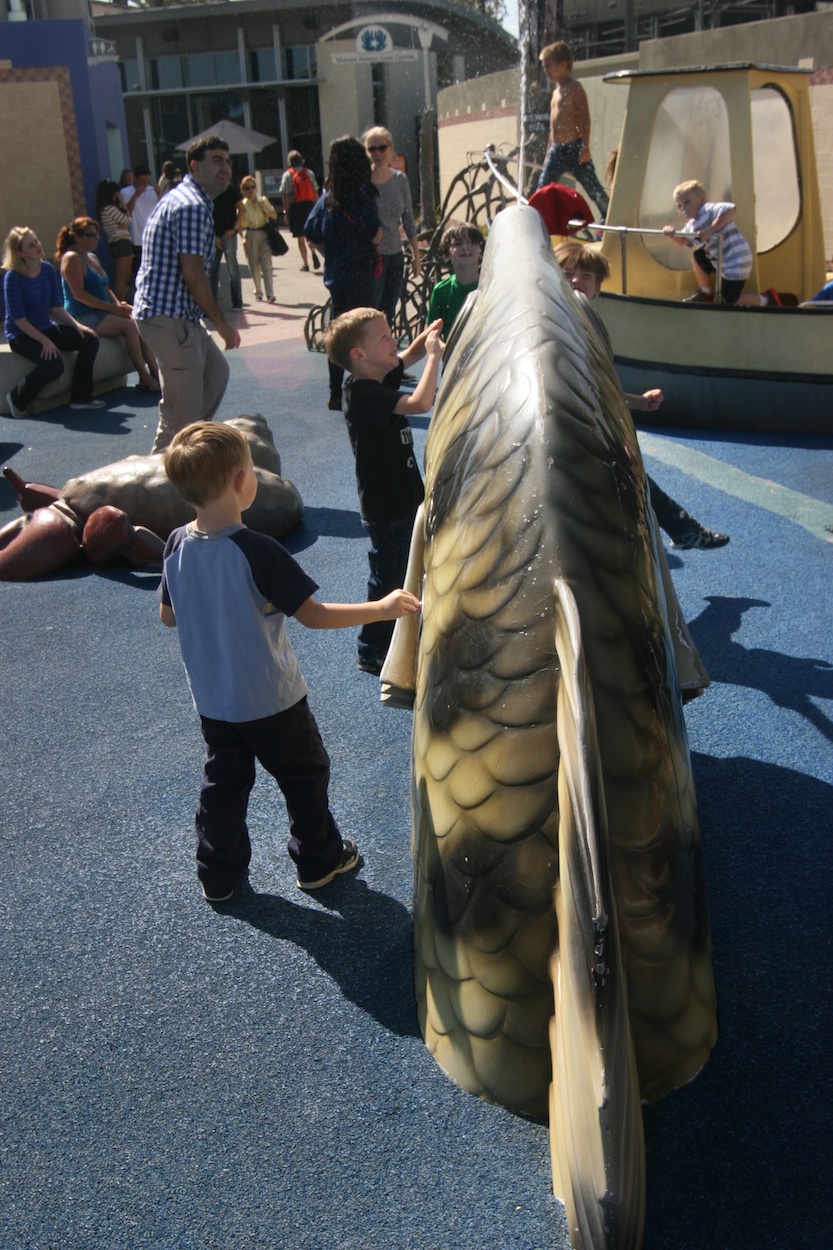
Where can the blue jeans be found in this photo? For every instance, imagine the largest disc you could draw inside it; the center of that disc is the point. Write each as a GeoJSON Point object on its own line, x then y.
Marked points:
{"type": "Point", "coordinates": [388, 288]}
{"type": "Point", "coordinates": [390, 542]}
{"type": "Point", "coordinates": [564, 158]}
{"type": "Point", "coordinates": [229, 250]}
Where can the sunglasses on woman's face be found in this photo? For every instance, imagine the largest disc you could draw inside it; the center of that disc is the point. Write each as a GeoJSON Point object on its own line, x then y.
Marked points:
{"type": "Point", "coordinates": [378, 147]}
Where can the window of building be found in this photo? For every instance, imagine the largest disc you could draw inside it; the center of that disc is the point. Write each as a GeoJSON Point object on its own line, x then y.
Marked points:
{"type": "Point", "coordinates": [299, 62]}
{"type": "Point", "coordinates": [167, 73]}
{"type": "Point", "coordinates": [129, 70]}
{"type": "Point", "coordinates": [303, 123]}
{"type": "Point", "coordinates": [262, 65]}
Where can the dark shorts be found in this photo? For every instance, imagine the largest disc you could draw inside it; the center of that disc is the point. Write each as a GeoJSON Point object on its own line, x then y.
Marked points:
{"type": "Point", "coordinates": [120, 247]}
{"type": "Point", "coordinates": [730, 288]}
{"type": "Point", "coordinates": [298, 214]}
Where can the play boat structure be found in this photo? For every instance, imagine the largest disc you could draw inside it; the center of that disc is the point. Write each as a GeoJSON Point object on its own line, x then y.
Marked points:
{"type": "Point", "coordinates": [744, 131]}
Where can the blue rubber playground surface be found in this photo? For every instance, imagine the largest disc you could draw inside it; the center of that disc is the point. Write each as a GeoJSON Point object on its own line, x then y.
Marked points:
{"type": "Point", "coordinates": [181, 1077]}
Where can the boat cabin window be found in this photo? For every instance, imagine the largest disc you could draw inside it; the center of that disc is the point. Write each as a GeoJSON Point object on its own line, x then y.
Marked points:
{"type": "Point", "coordinates": [777, 183]}
{"type": "Point", "coordinates": [690, 139]}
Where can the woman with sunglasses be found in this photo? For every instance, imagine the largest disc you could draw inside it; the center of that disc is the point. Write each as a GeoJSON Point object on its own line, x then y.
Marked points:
{"type": "Point", "coordinates": [89, 300]}
{"type": "Point", "coordinates": [344, 227]}
{"type": "Point", "coordinates": [395, 210]}
{"type": "Point", "coordinates": [255, 212]}
{"type": "Point", "coordinates": [39, 328]}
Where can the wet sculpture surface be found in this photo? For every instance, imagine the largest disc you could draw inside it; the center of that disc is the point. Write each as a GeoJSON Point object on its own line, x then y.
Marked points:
{"type": "Point", "coordinates": [561, 941]}
{"type": "Point", "coordinates": [125, 510]}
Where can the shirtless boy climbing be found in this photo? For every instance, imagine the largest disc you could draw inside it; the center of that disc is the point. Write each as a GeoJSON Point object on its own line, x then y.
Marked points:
{"type": "Point", "coordinates": [569, 149]}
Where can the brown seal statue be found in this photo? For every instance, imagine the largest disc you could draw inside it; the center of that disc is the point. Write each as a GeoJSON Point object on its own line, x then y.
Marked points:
{"type": "Point", "coordinates": [142, 510]}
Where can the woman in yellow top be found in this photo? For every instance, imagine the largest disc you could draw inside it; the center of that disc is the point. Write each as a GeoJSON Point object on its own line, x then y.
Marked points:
{"type": "Point", "coordinates": [256, 210]}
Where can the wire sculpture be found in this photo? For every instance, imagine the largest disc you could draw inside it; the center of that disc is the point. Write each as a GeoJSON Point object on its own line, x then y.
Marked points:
{"type": "Point", "coordinates": [476, 195]}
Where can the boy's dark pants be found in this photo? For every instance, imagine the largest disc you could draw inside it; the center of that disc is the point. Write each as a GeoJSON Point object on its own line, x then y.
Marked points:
{"type": "Point", "coordinates": [390, 542]}
{"type": "Point", "coordinates": [289, 746]}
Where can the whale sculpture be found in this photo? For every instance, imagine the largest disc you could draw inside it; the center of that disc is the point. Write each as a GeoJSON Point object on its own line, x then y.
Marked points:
{"type": "Point", "coordinates": [125, 510]}
{"type": "Point", "coordinates": [562, 950]}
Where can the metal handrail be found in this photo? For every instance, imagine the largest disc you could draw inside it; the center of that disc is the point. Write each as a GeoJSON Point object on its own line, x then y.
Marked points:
{"type": "Point", "coordinates": [624, 231]}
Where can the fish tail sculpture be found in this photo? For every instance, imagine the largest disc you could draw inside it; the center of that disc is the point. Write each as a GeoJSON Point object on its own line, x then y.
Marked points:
{"type": "Point", "coordinates": [562, 951]}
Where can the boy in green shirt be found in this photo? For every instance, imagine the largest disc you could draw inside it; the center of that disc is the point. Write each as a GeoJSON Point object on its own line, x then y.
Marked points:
{"type": "Point", "coordinates": [462, 247]}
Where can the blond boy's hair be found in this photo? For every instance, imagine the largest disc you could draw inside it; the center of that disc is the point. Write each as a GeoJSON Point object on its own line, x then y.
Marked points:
{"type": "Point", "coordinates": [574, 255]}
{"type": "Point", "coordinates": [559, 51]}
{"type": "Point", "coordinates": [691, 185]}
{"type": "Point", "coordinates": [202, 458]}
{"type": "Point", "coordinates": [347, 332]}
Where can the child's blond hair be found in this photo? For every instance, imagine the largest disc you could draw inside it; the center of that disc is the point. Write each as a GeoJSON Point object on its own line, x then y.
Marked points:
{"type": "Point", "coordinates": [574, 255]}
{"type": "Point", "coordinates": [202, 458]}
{"type": "Point", "coordinates": [348, 331]}
{"type": "Point", "coordinates": [691, 185]}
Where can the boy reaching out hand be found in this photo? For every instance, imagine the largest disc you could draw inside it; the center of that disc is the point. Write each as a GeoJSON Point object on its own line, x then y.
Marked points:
{"type": "Point", "coordinates": [228, 591]}
{"type": "Point", "coordinates": [387, 475]}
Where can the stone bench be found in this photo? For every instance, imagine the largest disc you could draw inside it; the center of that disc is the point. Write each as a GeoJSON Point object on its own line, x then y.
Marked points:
{"type": "Point", "coordinates": [112, 365]}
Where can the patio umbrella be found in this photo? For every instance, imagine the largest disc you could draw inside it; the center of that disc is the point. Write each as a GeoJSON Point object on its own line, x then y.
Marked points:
{"type": "Point", "coordinates": [238, 138]}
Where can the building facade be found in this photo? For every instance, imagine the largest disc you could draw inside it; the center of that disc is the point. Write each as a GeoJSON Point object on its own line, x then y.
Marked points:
{"type": "Point", "coordinates": [301, 75]}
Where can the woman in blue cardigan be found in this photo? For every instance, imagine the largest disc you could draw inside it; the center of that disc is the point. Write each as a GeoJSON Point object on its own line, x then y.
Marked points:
{"type": "Point", "coordinates": [39, 328]}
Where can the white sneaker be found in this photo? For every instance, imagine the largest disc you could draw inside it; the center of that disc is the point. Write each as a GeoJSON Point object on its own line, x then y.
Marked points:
{"type": "Point", "coordinates": [15, 410]}
{"type": "Point", "coordinates": [91, 403]}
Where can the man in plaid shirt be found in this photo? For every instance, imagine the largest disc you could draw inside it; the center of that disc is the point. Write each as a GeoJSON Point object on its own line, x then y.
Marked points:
{"type": "Point", "coordinates": [173, 293]}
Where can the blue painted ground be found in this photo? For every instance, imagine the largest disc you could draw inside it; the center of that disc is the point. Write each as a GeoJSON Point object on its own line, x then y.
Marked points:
{"type": "Point", "coordinates": [182, 1078]}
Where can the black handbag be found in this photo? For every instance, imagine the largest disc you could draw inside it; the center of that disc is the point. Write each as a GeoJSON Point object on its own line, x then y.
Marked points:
{"type": "Point", "coordinates": [277, 243]}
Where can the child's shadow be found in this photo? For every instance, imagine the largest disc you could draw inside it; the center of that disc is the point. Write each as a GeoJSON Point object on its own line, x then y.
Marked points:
{"type": "Point", "coordinates": [363, 941]}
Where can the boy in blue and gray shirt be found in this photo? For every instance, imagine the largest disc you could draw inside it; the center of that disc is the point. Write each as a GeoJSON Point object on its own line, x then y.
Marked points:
{"type": "Point", "coordinates": [228, 591]}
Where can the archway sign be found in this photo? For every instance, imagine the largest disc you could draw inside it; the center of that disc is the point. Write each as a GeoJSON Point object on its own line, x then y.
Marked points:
{"type": "Point", "coordinates": [374, 42]}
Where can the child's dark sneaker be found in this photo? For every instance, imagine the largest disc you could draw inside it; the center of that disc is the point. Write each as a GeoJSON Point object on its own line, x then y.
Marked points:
{"type": "Point", "coordinates": [217, 895]}
{"type": "Point", "coordinates": [702, 538]}
{"type": "Point", "coordinates": [349, 860]}
{"type": "Point", "coordinates": [368, 665]}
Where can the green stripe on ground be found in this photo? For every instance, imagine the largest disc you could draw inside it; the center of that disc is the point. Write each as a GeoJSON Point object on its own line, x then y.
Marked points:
{"type": "Point", "coordinates": [812, 514]}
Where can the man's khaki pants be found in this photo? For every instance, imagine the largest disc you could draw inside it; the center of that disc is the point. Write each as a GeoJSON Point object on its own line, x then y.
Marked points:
{"type": "Point", "coordinates": [192, 370]}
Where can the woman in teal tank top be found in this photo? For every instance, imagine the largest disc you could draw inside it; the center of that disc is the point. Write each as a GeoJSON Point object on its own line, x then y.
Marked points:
{"type": "Point", "coordinates": [88, 298]}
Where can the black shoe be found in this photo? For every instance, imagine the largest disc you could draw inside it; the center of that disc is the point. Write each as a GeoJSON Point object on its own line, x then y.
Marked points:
{"type": "Point", "coordinates": [700, 538]}
{"type": "Point", "coordinates": [334, 405]}
{"type": "Point", "coordinates": [217, 896]}
{"type": "Point", "coordinates": [369, 666]}
{"type": "Point", "coordinates": [700, 297]}
{"type": "Point", "coordinates": [349, 860]}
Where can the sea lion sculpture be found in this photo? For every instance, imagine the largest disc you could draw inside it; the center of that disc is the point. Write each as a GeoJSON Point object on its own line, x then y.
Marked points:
{"type": "Point", "coordinates": [562, 950]}
{"type": "Point", "coordinates": [142, 509]}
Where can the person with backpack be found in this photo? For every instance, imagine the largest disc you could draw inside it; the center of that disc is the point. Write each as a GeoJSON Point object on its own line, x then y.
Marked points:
{"type": "Point", "coordinates": [300, 191]}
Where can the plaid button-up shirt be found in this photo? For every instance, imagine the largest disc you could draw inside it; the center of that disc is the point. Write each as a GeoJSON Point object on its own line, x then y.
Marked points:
{"type": "Point", "coordinates": [182, 222]}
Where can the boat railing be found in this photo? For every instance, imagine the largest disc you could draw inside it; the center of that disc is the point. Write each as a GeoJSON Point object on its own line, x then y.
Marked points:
{"type": "Point", "coordinates": [624, 231]}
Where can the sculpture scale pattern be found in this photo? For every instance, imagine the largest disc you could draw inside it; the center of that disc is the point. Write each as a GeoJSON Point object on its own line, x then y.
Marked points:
{"type": "Point", "coordinates": [561, 942]}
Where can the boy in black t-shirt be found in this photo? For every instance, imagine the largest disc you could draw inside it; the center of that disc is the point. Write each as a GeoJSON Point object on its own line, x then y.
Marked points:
{"type": "Point", "coordinates": [387, 474]}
